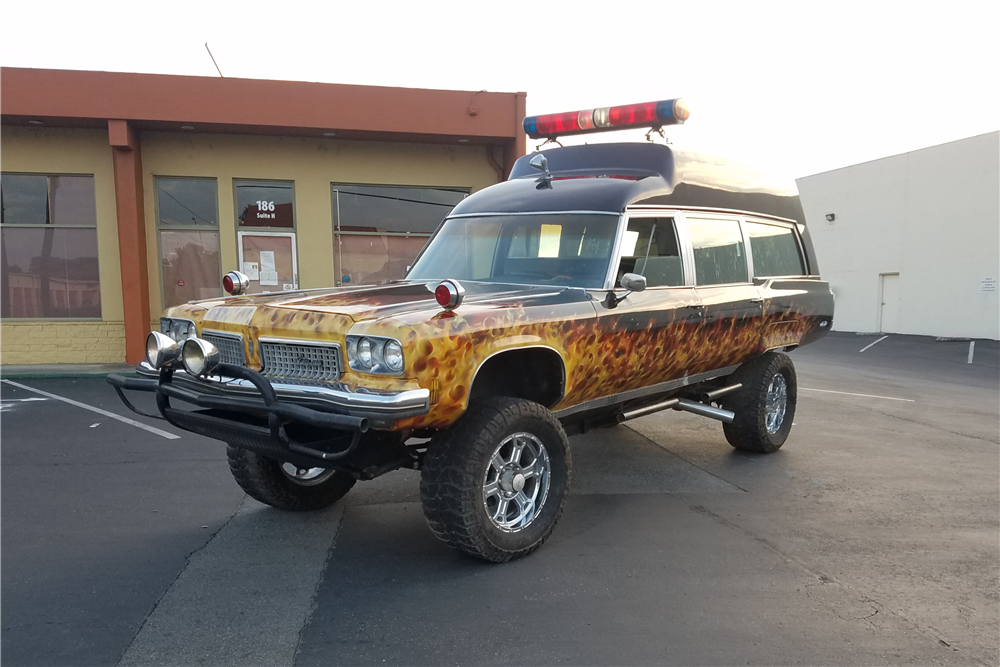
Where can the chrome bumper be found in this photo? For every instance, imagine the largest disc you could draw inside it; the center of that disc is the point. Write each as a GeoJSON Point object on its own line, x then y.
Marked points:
{"type": "Point", "coordinates": [378, 407]}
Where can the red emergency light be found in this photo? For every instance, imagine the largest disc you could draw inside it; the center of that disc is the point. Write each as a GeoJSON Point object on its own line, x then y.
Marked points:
{"type": "Point", "coordinates": [647, 114]}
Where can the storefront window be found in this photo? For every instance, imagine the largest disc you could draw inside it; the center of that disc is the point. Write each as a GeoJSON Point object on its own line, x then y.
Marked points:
{"type": "Point", "coordinates": [48, 243]}
{"type": "Point", "coordinates": [380, 229]}
{"type": "Point", "coordinates": [187, 218]}
{"type": "Point", "coordinates": [265, 204]}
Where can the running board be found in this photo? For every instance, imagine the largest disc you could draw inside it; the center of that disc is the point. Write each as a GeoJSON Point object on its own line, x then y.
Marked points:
{"type": "Point", "coordinates": [686, 405]}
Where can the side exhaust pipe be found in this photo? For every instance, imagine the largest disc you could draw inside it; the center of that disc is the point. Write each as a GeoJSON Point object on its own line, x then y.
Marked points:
{"type": "Point", "coordinates": [705, 410]}
{"type": "Point", "coordinates": [686, 405]}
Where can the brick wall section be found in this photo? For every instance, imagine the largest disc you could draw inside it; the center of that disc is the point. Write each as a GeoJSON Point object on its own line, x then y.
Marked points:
{"type": "Point", "coordinates": [34, 342]}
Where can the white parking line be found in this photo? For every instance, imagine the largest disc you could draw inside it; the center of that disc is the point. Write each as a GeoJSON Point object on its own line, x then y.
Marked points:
{"type": "Point", "coordinates": [848, 393]}
{"type": "Point", "coordinates": [124, 420]}
{"type": "Point", "coordinates": [972, 349]}
{"type": "Point", "coordinates": [875, 343]}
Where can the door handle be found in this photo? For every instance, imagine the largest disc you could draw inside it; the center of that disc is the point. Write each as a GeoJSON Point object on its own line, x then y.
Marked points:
{"type": "Point", "coordinates": [758, 299]}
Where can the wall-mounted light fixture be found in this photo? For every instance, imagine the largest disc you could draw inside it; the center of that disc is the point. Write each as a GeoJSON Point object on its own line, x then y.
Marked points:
{"type": "Point", "coordinates": [830, 217]}
{"type": "Point", "coordinates": [187, 127]}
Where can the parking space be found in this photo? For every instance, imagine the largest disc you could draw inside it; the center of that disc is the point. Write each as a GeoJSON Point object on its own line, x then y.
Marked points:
{"type": "Point", "coordinates": [871, 537]}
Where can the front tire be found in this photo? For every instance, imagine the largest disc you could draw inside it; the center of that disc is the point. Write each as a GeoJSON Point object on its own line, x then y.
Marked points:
{"type": "Point", "coordinates": [494, 483]}
{"type": "Point", "coordinates": [765, 406]}
{"type": "Point", "coordinates": [284, 485]}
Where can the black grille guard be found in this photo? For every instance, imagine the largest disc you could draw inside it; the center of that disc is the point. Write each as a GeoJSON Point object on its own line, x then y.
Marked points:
{"type": "Point", "coordinates": [272, 439]}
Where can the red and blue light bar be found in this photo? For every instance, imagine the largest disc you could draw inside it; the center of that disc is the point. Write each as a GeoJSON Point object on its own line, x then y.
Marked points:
{"type": "Point", "coordinates": [647, 114]}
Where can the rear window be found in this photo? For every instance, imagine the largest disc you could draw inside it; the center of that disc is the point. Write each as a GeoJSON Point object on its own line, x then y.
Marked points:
{"type": "Point", "coordinates": [774, 250]}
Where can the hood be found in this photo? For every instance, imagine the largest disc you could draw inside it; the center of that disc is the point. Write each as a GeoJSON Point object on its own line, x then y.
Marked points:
{"type": "Point", "coordinates": [365, 302]}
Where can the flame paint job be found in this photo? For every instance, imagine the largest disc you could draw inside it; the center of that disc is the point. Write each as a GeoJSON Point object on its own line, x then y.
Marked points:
{"type": "Point", "coordinates": [651, 337]}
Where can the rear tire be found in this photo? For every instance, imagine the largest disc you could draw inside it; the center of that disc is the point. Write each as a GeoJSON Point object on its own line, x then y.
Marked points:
{"type": "Point", "coordinates": [285, 486]}
{"type": "Point", "coordinates": [765, 406]}
{"type": "Point", "coordinates": [495, 482]}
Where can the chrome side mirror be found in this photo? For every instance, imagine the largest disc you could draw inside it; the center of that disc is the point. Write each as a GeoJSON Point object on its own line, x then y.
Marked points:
{"type": "Point", "coordinates": [633, 282]}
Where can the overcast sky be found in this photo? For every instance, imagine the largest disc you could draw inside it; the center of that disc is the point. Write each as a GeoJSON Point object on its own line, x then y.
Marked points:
{"type": "Point", "coordinates": [797, 87]}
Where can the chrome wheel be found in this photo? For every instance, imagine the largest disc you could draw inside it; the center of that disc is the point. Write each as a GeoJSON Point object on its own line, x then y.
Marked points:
{"type": "Point", "coordinates": [306, 476]}
{"type": "Point", "coordinates": [776, 403]}
{"type": "Point", "coordinates": [516, 482]}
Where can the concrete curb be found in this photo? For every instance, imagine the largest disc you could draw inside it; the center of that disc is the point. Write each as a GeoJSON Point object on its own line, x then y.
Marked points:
{"type": "Point", "coordinates": [61, 370]}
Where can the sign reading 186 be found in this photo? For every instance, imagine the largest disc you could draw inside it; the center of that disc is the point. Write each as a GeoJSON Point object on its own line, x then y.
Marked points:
{"type": "Point", "coordinates": [263, 206]}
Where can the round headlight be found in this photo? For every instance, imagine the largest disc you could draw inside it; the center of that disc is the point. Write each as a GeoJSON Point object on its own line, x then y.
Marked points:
{"type": "Point", "coordinates": [199, 356]}
{"type": "Point", "coordinates": [365, 352]}
{"type": "Point", "coordinates": [160, 349]}
{"type": "Point", "coordinates": [393, 355]}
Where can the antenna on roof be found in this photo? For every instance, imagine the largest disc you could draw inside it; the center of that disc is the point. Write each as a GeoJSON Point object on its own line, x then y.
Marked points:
{"type": "Point", "coordinates": [213, 61]}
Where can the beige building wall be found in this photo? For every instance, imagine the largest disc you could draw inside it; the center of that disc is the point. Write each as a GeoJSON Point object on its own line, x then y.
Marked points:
{"type": "Point", "coordinates": [69, 151]}
{"type": "Point", "coordinates": [313, 165]}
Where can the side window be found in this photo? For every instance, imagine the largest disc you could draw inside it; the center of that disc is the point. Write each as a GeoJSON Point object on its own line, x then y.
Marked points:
{"type": "Point", "coordinates": [719, 255]}
{"type": "Point", "coordinates": [650, 249]}
{"type": "Point", "coordinates": [775, 251]}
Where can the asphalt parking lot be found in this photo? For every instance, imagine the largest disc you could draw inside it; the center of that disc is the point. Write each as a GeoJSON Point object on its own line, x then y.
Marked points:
{"type": "Point", "coordinates": [870, 538]}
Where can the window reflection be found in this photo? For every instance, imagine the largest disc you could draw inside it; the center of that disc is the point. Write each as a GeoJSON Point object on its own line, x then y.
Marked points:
{"type": "Point", "coordinates": [775, 251]}
{"type": "Point", "coordinates": [50, 273]}
{"type": "Point", "coordinates": [186, 211]}
{"type": "Point", "coordinates": [719, 256]}
{"type": "Point", "coordinates": [262, 204]}
{"type": "Point", "coordinates": [190, 264]}
{"type": "Point", "coordinates": [186, 201]}
{"type": "Point", "coordinates": [49, 263]}
{"type": "Point", "coordinates": [381, 229]}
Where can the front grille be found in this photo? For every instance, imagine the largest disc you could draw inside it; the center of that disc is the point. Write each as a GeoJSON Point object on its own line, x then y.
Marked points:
{"type": "Point", "coordinates": [305, 361]}
{"type": "Point", "coordinates": [230, 347]}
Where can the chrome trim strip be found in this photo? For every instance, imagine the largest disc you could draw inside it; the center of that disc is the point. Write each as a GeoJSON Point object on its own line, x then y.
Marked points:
{"type": "Point", "coordinates": [299, 341]}
{"type": "Point", "coordinates": [359, 402]}
{"type": "Point", "coordinates": [574, 212]}
{"type": "Point", "coordinates": [670, 385]}
{"type": "Point", "coordinates": [705, 209]}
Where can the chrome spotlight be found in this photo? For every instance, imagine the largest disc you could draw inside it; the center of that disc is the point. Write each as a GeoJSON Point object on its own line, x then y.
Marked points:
{"type": "Point", "coordinates": [199, 356]}
{"type": "Point", "coordinates": [161, 350]}
{"type": "Point", "coordinates": [235, 283]}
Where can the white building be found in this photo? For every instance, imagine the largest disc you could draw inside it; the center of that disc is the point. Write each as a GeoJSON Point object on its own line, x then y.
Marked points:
{"type": "Point", "coordinates": [911, 243]}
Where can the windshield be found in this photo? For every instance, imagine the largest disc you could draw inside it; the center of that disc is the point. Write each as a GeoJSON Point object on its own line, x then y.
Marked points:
{"type": "Point", "coordinates": [572, 249]}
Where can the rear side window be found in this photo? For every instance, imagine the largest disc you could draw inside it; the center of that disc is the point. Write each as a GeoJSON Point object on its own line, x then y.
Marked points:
{"type": "Point", "coordinates": [649, 248]}
{"type": "Point", "coordinates": [775, 251]}
{"type": "Point", "coordinates": [719, 255]}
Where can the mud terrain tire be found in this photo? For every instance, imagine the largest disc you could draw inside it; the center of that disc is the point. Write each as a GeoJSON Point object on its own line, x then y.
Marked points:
{"type": "Point", "coordinates": [265, 480]}
{"type": "Point", "coordinates": [765, 406]}
{"type": "Point", "coordinates": [494, 483]}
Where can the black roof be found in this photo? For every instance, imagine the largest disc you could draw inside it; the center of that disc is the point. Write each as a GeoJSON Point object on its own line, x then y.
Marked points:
{"type": "Point", "coordinates": [612, 177]}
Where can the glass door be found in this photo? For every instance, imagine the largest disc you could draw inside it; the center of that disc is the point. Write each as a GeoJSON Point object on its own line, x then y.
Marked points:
{"type": "Point", "coordinates": [268, 259]}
